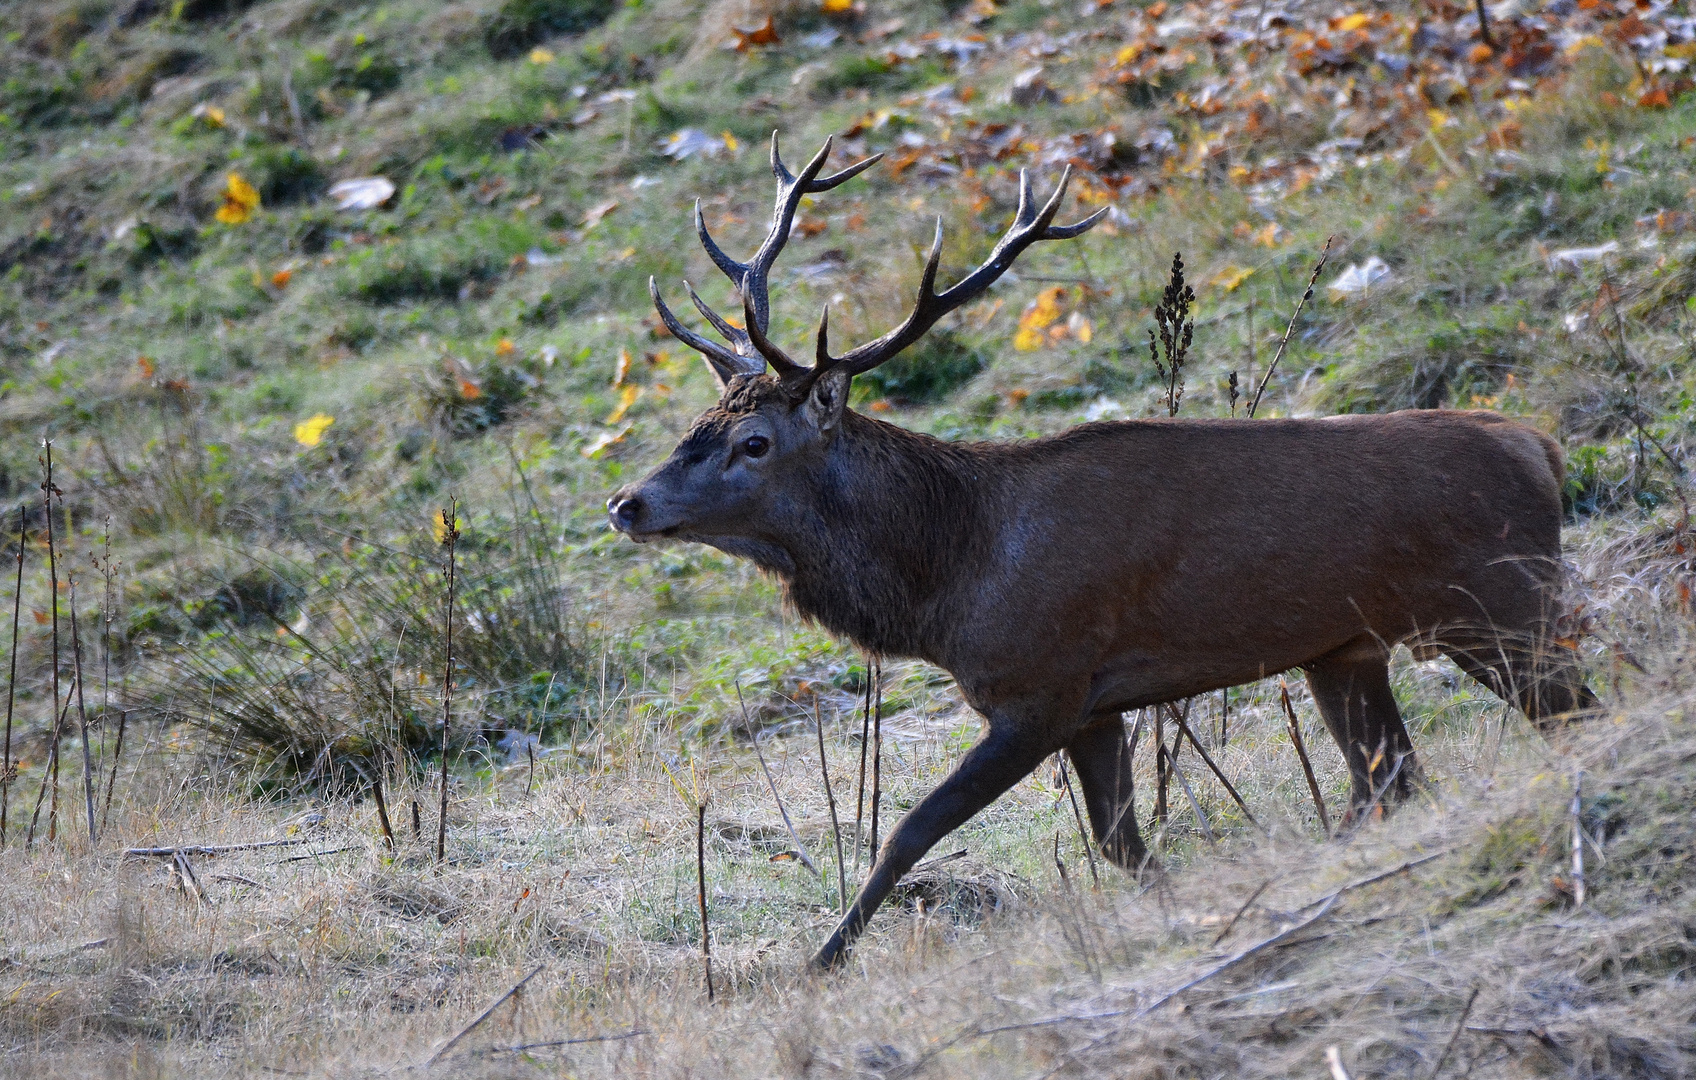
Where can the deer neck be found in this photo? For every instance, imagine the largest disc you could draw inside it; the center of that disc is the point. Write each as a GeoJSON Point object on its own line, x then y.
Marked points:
{"type": "Point", "coordinates": [898, 518]}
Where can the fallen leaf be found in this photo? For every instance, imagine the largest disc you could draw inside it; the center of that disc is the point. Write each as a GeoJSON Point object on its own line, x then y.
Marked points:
{"type": "Point", "coordinates": [281, 278]}
{"type": "Point", "coordinates": [211, 114]}
{"type": "Point", "coordinates": [310, 432]}
{"type": "Point", "coordinates": [622, 371]}
{"type": "Point", "coordinates": [1480, 53]}
{"type": "Point", "coordinates": [1655, 99]}
{"type": "Point", "coordinates": [362, 193]}
{"type": "Point", "coordinates": [1352, 22]}
{"type": "Point", "coordinates": [42, 618]}
{"type": "Point", "coordinates": [145, 364]}
{"type": "Point", "coordinates": [469, 390]}
{"type": "Point", "coordinates": [505, 347]}
{"type": "Point", "coordinates": [764, 34]}
{"type": "Point", "coordinates": [241, 199]}
{"type": "Point", "coordinates": [836, 7]}
{"type": "Point", "coordinates": [539, 55]}
{"type": "Point", "coordinates": [605, 439]}
{"type": "Point", "coordinates": [594, 214]}
{"type": "Point", "coordinates": [1230, 277]}
{"type": "Point", "coordinates": [626, 398]}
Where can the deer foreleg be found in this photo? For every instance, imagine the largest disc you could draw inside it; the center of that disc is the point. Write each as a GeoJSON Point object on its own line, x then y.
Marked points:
{"type": "Point", "coordinates": [999, 760]}
{"type": "Point", "coordinates": [1103, 762]}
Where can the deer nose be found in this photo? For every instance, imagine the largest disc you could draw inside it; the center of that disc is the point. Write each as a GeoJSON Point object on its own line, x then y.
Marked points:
{"type": "Point", "coordinates": [624, 510]}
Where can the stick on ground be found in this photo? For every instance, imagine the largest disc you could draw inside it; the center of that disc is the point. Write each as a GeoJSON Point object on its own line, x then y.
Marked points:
{"type": "Point", "coordinates": [512, 990]}
{"type": "Point", "coordinates": [1577, 841]}
{"type": "Point", "coordinates": [1284, 342]}
{"type": "Point", "coordinates": [1449, 1046]}
{"type": "Point", "coordinates": [1334, 1057]}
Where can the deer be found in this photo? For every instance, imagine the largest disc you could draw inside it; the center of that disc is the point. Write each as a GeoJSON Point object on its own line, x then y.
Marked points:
{"type": "Point", "coordinates": [1064, 581]}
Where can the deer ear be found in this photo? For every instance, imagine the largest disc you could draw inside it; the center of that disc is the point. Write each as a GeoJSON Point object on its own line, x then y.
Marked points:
{"type": "Point", "coordinates": [827, 399]}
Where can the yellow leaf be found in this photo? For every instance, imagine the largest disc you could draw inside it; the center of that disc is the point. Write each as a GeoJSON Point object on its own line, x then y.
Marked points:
{"type": "Point", "coordinates": [1353, 22]}
{"type": "Point", "coordinates": [836, 7]}
{"type": "Point", "coordinates": [310, 432]}
{"type": "Point", "coordinates": [730, 142]}
{"type": "Point", "coordinates": [1042, 311]}
{"type": "Point", "coordinates": [1586, 42]}
{"type": "Point", "coordinates": [505, 347]}
{"type": "Point", "coordinates": [626, 398]}
{"type": "Point", "coordinates": [540, 55]}
{"type": "Point", "coordinates": [1230, 277]}
{"type": "Point", "coordinates": [1080, 327]}
{"type": "Point", "coordinates": [622, 371]}
{"type": "Point", "coordinates": [1268, 237]}
{"type": "Point", "coordinates": [1027, 339]}
{"type": "Point", "coordinates": [439, 526]}
{"type": "Point", "coordinates": [1439, 119]}
{"type": "Point", "coordinates": [1129, 53]}
{"type": "Point", "coordinates": [241, 199]}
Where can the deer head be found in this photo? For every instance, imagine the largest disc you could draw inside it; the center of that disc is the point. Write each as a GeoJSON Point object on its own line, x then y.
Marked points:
{"type": "Point", "coordinates": [745, 475]}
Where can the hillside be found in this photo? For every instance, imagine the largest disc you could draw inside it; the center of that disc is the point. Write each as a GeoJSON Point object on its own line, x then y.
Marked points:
{"type": "Point", "coordinates": [282, 279]}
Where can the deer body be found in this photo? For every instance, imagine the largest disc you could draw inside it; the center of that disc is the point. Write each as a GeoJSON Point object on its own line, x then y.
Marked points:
{"type": "Point", "coordinates": [1065, 580]}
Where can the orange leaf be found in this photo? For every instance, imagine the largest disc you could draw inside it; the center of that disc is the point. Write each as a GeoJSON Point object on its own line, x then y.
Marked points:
{"type": "Point", "coordinates": [469, 390]}
{"type": "Point", "coordinates": [281, 278]}
{"type": "Point", "coordinates": [146, 366]}
{"type": "Point", "coordinates": [504, 348]}
{"type": "Point", "coordinates": [1480, 53]}
{"type": "Point", "coordinates": [1655, 99]}
{"type": "Point", "coordinates": [765, 34]}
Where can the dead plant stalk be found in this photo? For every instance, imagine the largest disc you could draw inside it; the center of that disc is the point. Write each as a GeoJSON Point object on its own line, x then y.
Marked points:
{"type": "Point", "coordinates": [450, 537]}
{"type": "Point", "coordinates": [1283, 343]}
{"type": "Point", "coordinates": [7, 769]}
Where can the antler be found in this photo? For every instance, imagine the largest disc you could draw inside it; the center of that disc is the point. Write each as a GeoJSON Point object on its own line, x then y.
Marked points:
{"type": "Point", "coordinates": [749, 349]}
{"type": "Point", "coordinates": [1028, 227]}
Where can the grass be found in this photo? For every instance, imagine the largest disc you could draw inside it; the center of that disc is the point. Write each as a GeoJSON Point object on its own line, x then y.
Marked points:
{"type": "Point", "coordinates": [486, 337]}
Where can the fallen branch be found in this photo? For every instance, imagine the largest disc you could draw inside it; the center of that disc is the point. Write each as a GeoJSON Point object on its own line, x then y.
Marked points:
{"type": "Point", "coordinates": [1252, 897]}
{"type": "Point", "coordinates": [185, 874]}
{"type": "Point", "coordinates": [482, 1016]}
{"type": "Point", "coordinates": [1449, 1046]}
{"type": "Point", "coordinates": [210, 849]}
{"type": "Point", "coordinates": [526, 1047]}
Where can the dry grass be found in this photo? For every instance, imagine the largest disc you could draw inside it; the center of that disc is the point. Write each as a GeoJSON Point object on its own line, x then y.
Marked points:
{"type": "Point", "coordinates": [328, 958]}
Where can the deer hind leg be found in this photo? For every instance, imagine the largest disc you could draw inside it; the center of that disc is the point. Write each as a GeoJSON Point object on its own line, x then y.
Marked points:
{"type": "Point", "coordinates": [1352, 689]}
{"type": "Point", "coordinates": [1003, 757]}
{"type": "Point", "coordinates": [1543, 679]}
{"type": "Point", "coordinates": [1102, 760]}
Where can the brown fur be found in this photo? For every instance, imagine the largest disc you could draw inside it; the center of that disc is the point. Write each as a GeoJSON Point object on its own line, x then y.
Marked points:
{"type": "Point", "coordinates": [1065, 580]}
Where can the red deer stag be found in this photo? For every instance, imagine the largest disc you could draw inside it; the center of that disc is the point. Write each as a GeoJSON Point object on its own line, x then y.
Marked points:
{"type": "Point", "coordinates": [1065, 580]}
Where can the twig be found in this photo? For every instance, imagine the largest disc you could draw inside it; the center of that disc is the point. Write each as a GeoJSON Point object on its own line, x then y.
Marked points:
{"type": "Point", "coordinates": [830, 798]}
{"type": "Point", "coordinates": [1183, 782]}
{"type": "Point", "coordinates": [1184, 729]}
{"type": "Point", "coordinates": [1577, 841]}
{"type": "Point", "coordinates": [1284, 342]}
{"type": "Point", "coordinates": [117, 756]}
{"type": "Point", "coordinates": [1083, 835]}
{"type": "Point", "coordinates": [1373, 879]}
{"type": "Point", "coordinates": [1161, 769]}
{"type": "Point", "coordinates": [417, 821]}
{"type": "Point", "coordinates": [1301, 752]}
{"type": "Point", "coordinates": [50, 771]}
{"type": "Point", "coordinates": [800, 849]}
{"type": "Point", "coordinates": [47, 490]}
{"type": "Point", "coordinates": [877, 758]}
{"type": "Point", "coordinates": [1484, 26]}
{"type": "Point", "coordinates": [382, 807]}
{"type": "Point", "coordinates": [860, 791]}
{"type": "Point", "coordinates": [1226, 965]}
{"type": "Point", "coordinates": [185, 873]}
{"type": "Point", "coordinates": [1334, 1058]}
{"type": "Point", "coordinates": [530, 781]}
{"type": "Point", "coordinates": [450, 537]}
{"type": "Point", "coordinates": [701, 893]}
{"type": "Point", "coordinates": [938, 861]}
{"type": "Point", "coordinates": [1449, 1046]}
{"type": "Point", "coordinates": [526, 1047]}
{"type": "Point", "coordinates": [1252, 897]}
{"type": "Point", "coordinates": [82, 711]}
{"type": "Point", "coordinates": [7, 769]}
{"type": "Point", "coordinates": [210, 849]}
{"type": "Point", "coordinates": [482, 1016]}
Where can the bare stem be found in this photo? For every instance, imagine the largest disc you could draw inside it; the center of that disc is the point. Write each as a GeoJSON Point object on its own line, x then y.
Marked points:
{"type": "Point", "coordinates": [830, 798]}
{"type": "Point", "coordinates": [877, 757]}
{"type": "Point", "coordinates": [701, 893]}
{"type": "Point", "coordinates": [450, 537]}
{"type": "Point", "coordinates": [860, 792]}
{"type": "Point", "coordinates": [1301, 752]}
{"type": "Point", "coordinates": [7, 769]}
{"type": "Point", "coordinates": [1077, 815]}
{"type": "Point", "coordinates": [783, 812]}
{"type": "Point", "coordinates": [1284, 342]}
{"type": "Point", "coordinates": [82, 714]}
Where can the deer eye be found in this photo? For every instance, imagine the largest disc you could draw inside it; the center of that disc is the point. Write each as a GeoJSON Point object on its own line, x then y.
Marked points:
{"type": "Point", "coordinates": [756, 445]}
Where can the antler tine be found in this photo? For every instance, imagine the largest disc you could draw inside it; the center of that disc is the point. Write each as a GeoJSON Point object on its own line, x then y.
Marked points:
{"type": "Point", "coordinates": [738, 338]}
{"type": "Point", "coordinates": [1027, 228]}
{"type": "Point", "coordinates": [823, 361]}
{"type": "Point", "coordinates": [733, 270]}
{"type": "Point", "coordinates": [725, 363]}
{"type": "Point", "coordinates": [779, 360]}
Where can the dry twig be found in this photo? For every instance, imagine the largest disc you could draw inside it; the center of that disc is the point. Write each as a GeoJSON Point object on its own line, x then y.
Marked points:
{"type": "Point", "coordinates": [1301, 752]}
{"type": "Point", "coordinates": [830, 798]}
{"type": "Point", "coordinates": [512, 990]}
{"type": "Point", "coordinates": [1449, 1046]}
{"type": "Point", "coordinates": [1283, 343]}
{"type": "Point", "coordinates": [450, 537]}
{"type": "Point", "coordinates": [800, 849]}
{"type": "Point", "coordinates": [7, 769]}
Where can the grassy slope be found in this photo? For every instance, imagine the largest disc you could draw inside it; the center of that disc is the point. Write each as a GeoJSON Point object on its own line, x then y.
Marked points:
{"type": "Point", "coordinates": [393, 322]}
